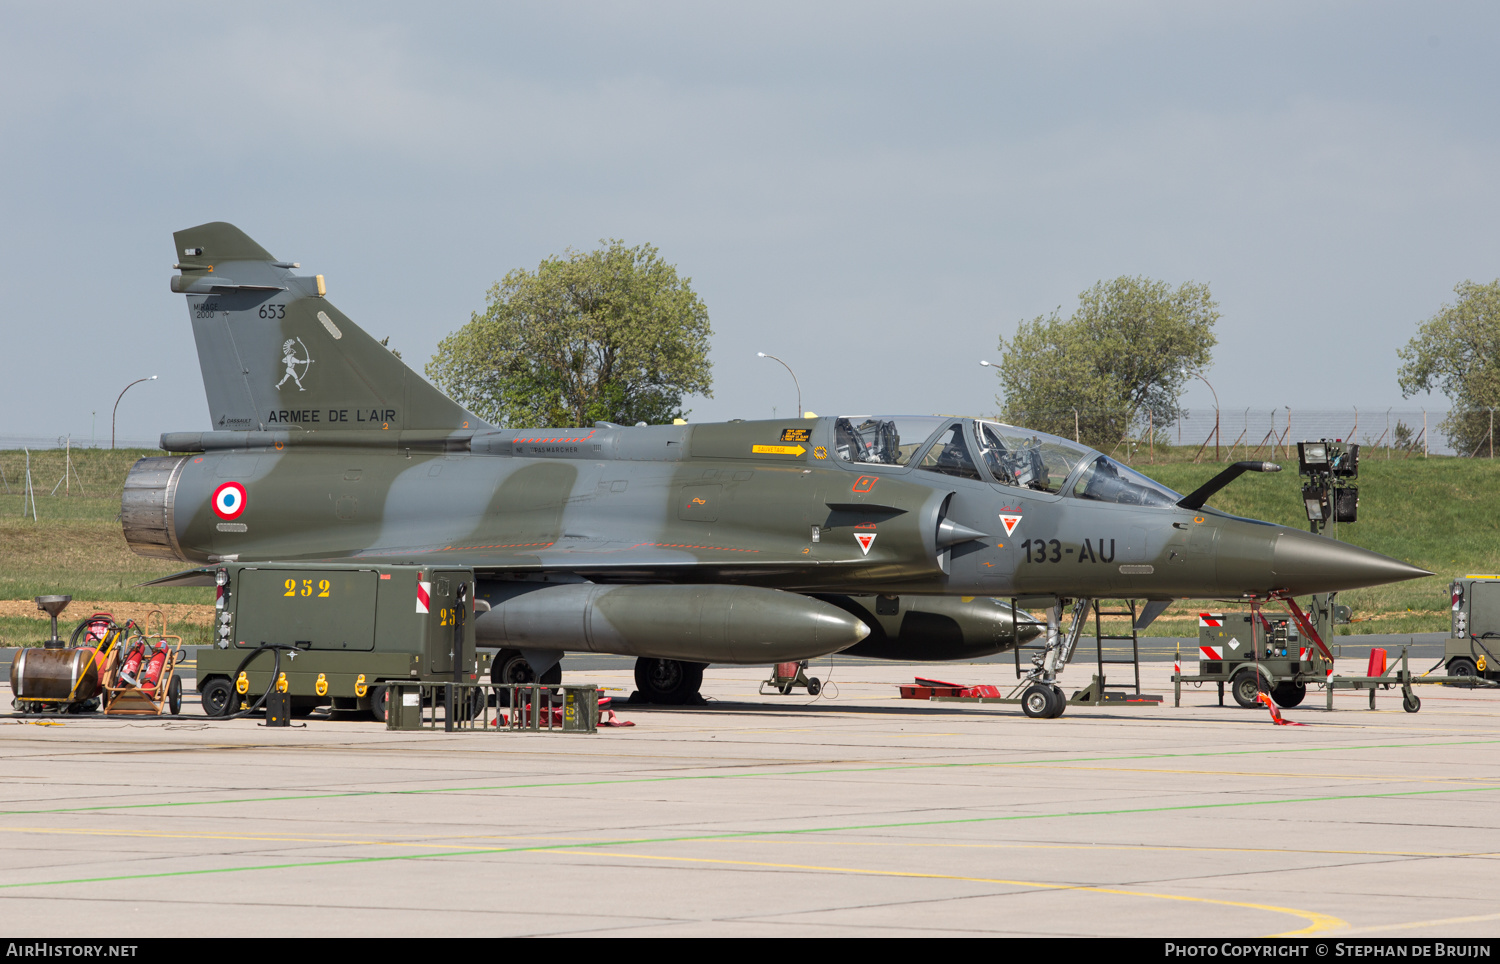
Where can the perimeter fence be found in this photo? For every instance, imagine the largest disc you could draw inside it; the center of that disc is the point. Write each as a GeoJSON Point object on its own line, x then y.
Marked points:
{"type": "Point", "coordinates": [1263, 431]}
{"type": "Point", "coordinates": [20, 442]}
{"type": "Point", "coordinates": [1222, 434]}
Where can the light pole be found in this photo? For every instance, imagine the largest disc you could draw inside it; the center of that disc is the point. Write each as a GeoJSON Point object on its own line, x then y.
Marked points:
{"type": "Point", "coordinates": [1199, 376]}
{"type": "Point", "coordinates": [117, 406]}
{"type": "Point", "coordinates": [762, 354]}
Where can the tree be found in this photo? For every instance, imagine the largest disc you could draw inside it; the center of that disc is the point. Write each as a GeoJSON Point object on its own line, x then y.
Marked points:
{"type": "Point", "coordinates": [1457, 351]}
{"type": "Point", "coordinates": [609, 335]}
{"type": "Point", "coordinates": [1125, 352]}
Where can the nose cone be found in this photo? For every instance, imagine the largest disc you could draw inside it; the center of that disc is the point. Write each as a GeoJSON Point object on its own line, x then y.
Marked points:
{"type": "Point", "coordinates": [1305, 563]}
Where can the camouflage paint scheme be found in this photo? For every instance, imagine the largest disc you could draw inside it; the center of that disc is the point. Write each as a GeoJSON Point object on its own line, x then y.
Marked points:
{"type": "Point", "coordinates": [344, 454]}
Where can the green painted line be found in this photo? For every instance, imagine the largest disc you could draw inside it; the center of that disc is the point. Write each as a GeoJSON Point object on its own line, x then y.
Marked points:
{"type": "Point", "coordinates": [625, 781]}
{"type": "Point", "coordinates": [744, 834]}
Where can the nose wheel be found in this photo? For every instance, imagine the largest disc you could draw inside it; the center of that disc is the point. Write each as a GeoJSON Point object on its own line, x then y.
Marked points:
{"type": "Point", "coordinates": [1042, 701]}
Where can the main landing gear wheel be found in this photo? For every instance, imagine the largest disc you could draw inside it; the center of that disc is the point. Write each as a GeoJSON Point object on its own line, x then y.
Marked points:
{"type": "Point", "coordinates": [1060, 702]}
{"type": "Point", "coordinates": [218, 697]}
{"type": "Point", "coordinates": [1040, 702]}
{"type": "Point", "coordinates": [1244, 685]}
{"type": "Point", "coordinates": [668, 681]}
{"type": "Point", "coordinates": [510, 667]}
{"type": "Point", "coordinates": [1288, 694]}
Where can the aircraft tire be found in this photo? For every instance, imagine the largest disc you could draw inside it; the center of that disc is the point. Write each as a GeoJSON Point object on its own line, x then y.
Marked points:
{"type": "Point", "coordinates": [1037, 702]}
{"type": "Point", "coordinates": [1059, 703]}
{"type": "Point", "coordinates": [217, 696]}
{"type": "Point", "coordinates": [1288, 694]}
{"type": "Point", "coordinates": [509, 667]}
{"type": "Point", "coordinates": [1244, 685]}
{"type": "Point", "coordinates": [671, 682]}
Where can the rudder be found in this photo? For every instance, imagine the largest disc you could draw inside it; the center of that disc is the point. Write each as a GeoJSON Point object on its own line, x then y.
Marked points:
{"type": "Point", "coordinates": [277, 355]}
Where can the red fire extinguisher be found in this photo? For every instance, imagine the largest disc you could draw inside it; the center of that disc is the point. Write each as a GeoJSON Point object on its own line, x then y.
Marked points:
{"type": "Point", "coordinates": [152, 676]}
{"type": "Point", "coordinates": [132, 663]}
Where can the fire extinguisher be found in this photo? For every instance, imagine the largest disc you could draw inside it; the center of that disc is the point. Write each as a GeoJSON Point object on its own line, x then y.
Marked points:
{"type": "Point", "coordinates": [152, 676]}
{"type": "Point", "coordinates": [132, 663]}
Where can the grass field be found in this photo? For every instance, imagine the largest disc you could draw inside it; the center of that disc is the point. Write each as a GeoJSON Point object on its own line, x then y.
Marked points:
{"type": "Point", "coordinates": [1441, 514]}
{"type": "Point", "coordinates": [76, 547]}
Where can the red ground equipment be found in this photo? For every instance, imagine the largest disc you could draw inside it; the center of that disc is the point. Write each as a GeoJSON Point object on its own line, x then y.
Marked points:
{"type": "Point", "coordinates": [130, 692]}
{"type": "Point", "coordinates": [131, 664]}
{"type": "Point", "coordinates": [65, 680]}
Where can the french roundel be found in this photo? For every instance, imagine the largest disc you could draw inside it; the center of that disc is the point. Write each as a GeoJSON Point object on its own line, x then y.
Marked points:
{"type": "Point", "coordinates": [229, 500]}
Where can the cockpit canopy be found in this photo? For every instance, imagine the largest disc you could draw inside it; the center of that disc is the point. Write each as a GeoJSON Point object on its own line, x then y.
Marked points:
{"type": "Point", "coordinates": [989, 451]}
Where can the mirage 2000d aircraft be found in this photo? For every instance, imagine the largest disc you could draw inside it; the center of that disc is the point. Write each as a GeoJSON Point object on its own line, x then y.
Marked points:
{"type": "Point", "coordinates": [746, 542]}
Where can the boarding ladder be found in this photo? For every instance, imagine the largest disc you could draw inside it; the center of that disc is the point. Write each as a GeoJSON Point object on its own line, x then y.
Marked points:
{"type": "Point", "coordinates": [1100, 637]}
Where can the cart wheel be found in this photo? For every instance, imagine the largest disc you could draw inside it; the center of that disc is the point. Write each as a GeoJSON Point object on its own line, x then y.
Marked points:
{"type": "Point", "coordinates": [1244, 685]}
{"type": "Point", "coordinates": [174, 696]}
{"type": "Point", "coordinates": [813, 686]}
{"type": "Point", "coordinates": [379, 702]}
{"type": "Point", "coordinates": [469, 705]}
{"type": "Point", "coordinates": [1412, 703]}
{"type": "Point", "coordinates": [1037, 701]}
{"type": "Point", "coordinates": [218, 697]}
{"type": "Point", "coordinates": [1288, 694]}
{"type": "Point", "coordinates": [1463, 667]}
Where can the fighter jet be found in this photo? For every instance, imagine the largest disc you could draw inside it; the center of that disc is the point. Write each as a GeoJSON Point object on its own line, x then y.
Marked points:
{"type": "Point", "coordinates": [744, 542]}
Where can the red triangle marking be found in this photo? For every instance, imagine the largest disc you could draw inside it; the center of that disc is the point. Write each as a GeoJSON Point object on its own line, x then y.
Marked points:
{"type": "Point", "coordinates": [865, 540]}
{"type": "Point", "coordinates": [1010, 522]}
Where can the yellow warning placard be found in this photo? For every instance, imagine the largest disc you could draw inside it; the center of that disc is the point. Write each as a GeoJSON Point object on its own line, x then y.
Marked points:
{"type": "Point", "coordinates": [777, 449]}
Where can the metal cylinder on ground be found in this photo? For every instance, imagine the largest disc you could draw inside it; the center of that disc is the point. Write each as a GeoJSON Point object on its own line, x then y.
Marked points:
{"type": "Point", "coordinates": [131, 664]}
{"type": "Point", "coordinates": [152, 674]}
{"type": "Point", "coordinates": [54, 674]}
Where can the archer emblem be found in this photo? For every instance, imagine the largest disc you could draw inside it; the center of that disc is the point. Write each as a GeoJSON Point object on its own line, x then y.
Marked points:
{"type": "Point", "coordinates": [291, 361]}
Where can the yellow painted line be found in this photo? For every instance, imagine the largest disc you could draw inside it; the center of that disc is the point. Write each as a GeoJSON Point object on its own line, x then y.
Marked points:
{"type": "Point", "coordinates": [1317, 922]}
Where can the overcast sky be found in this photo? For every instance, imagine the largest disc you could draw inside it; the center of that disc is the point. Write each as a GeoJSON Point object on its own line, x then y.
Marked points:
{"type": "Point", "coordinates": [874, 193]}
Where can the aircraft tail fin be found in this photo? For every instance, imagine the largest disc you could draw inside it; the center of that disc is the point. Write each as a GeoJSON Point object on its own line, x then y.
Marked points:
{"type": "Point", "coordinates": [277, 355]}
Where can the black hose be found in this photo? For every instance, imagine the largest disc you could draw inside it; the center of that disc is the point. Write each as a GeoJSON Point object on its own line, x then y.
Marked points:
{"type": "Point", "coordinates": [275, 650]}
{"type": "Point", "coordinates": [78, 630]}
{"type": "Point", "coordinates": [1475, 639]}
